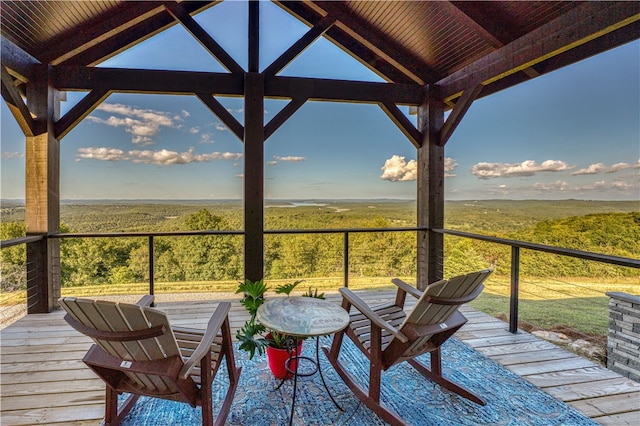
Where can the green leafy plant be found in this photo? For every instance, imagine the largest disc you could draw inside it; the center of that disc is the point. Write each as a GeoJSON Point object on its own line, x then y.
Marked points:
{"type": "Point", "coordinates": [253, 336]}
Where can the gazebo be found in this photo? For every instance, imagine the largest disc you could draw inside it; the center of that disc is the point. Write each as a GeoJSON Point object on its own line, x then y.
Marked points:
{"type": "Point", "coordinates": [433, 55]}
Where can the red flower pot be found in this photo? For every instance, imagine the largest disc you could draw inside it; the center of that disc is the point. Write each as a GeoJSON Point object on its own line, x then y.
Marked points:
{"type": "Point", "coordinates": [277, 358]}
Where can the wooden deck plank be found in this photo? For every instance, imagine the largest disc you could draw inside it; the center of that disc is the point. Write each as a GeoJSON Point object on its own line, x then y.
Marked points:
{"type": "Point", "coordinates": [45, 382]}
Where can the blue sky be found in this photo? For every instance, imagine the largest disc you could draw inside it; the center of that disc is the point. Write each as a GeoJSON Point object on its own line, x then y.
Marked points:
{"type": "Point", "coordinates": [574, 133]}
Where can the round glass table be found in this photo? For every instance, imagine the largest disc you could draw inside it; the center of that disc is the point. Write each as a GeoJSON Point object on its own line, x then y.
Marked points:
{"type": "Point", "coordinates": [303, 317]}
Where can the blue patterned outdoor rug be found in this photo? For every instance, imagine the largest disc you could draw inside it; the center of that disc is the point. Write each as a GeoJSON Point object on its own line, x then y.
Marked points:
{"type": "Point", "coordinates": [511, 400]}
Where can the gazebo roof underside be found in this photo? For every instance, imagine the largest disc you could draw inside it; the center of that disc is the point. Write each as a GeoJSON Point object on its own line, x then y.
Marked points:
{"type": "Point", "coordinates": [455, 45]}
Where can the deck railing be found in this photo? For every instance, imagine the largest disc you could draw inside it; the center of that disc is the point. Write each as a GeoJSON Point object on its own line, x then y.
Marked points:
{"type": "Point", "coordinates": [345, 234]}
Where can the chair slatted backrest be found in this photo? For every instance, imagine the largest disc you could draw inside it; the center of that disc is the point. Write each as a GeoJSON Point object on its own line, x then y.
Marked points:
{"type": "Point", "coordinates": [112, 316]}
{"type": "Point", "coordinates": [427, 312]}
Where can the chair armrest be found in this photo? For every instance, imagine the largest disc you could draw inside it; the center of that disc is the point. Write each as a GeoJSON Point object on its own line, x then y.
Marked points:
{"type": "Point", "coordinates": [146, 300]}
{"type": "Point", "coordinates": [214, 325]}
{"type": "Point", "coordinates": [361, 306]}
{"type": "Point", "coordinates": [407, 288]}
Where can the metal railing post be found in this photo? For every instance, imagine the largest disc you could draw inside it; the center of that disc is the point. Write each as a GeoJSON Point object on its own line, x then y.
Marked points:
{"type": "Point", "coordinates": [515, 281]}
{"type": "Point", "coordinates": [346, 260]}
{"type": "Point", "coordinates": [151, 277]}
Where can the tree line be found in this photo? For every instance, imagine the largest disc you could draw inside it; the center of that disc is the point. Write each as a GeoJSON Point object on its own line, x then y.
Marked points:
{"type": "Point", "coordinates": [91, 261]}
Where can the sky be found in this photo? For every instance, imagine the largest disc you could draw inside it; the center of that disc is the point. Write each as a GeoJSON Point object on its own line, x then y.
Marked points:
{"type": "Point", "coordinates": [574, 133]}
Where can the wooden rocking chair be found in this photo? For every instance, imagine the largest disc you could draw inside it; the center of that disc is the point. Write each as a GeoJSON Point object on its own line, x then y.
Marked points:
{"type": "Point", "coordinates": [136, 351]}
{"type": "Point", "coordinates": [388, 336]}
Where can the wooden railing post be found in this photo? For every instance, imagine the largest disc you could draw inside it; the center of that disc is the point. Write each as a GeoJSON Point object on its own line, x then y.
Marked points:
{"type": "Point", "coordinates": [515, 281]}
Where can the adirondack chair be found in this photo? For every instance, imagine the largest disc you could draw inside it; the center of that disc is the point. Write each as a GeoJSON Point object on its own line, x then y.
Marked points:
{"type": "Point", "coordinates": [387, 335]}
{"type": "Point", "coordinates": [136, 351]}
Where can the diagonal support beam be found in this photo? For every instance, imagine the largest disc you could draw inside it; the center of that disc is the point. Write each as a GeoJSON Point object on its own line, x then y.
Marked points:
{"type": "Point", "coordinates": [221, 112]}
{"type": "Point", "coordinates": [76, 114]}
{"type": "Point", "coordinates": [404, 124]}
{"type": "Point", "coordinates": [282, 116]}
{"type": "Point", "coordinates": [199, 33]}
{"type": "Point", "coordinates": [298, 47]}
{"type": "Point", "coordinates": [461, 108]}
{"type": "Point", "coordinates": [17, 106]}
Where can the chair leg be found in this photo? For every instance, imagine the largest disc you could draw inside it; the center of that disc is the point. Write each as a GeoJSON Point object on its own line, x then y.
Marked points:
{"type": "Point", "coordinates": [114, 415]}
{"type": "Point", "coordinates": [435, 375]}
{"type": "Point", "coordinates": [234, 374]}
{"type": "Point", "coordinates": [361, 393]}
{"type": "Point", "coordinates": [205, 390]}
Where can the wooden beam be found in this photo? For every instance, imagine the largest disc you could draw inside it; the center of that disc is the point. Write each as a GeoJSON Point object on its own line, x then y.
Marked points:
{"type": "Point", "coordinates": [146, 81]}
{"type": "Point", "coordinates": [254, 36]}
{"type": "Point", "coordinates": [17, 106]}
{"type": "Point", "coordinates": [188, 82]}
{"type": "Point", "coordinates": [42, 195]}
{"type": "Point", "coordinates": [461, 108]}
{"type": "Point", "coordinates": [19, 63]}
{"type": "Point", "coordinates": [404, 124]}
{"type": "Point", "coordinates": [298, 47]}
{"type": "Point", "coordinates": [283, 115]}
{"type": "Point", "coordinates": [199, 33]}
{"type": "Point", "coordinates": [580, 25]}
{"type": "Point", "coordinates": [221, 112]}
{"type": "Point", "coordinates": [75, 115]}
{"type": "Point", "coordinates": [254, 177]}
{"type": "Point", "coordinates": [430, 197]}
{"type": "Point", "coordinates": [342, 90]}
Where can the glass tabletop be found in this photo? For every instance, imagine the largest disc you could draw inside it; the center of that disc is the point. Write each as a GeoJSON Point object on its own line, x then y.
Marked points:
{"type": "Point", "coordinates": [302, 316]}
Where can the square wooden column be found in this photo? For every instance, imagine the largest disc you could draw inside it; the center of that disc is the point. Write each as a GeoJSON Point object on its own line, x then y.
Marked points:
{"type": "Point", "coordinates": [42, 195]}
{"type": "Point", "coordinates": [430, 197]}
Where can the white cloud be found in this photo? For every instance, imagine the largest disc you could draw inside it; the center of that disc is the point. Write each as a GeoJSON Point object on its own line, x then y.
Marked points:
{"type": "Point", "coordinates": [206, 138]}
{"type": "Point", "coordinates": [162, 157]}
{"type": "Point", "coordinates": [141, 123]}
{"type": "Point", "coordinates": [550, 186]}
{"type": "Point", "coordinates": [7, 154]}
{"type": "Point", "coordinates": [194, 130]}
{"type": "Point", "coordinates": [397, 169]}
{"type": "Point", "coordinates": [526, 168]}
{"type": "Point", "coordinates": [221, 127]}
{"type": "Point", "coordinates": [271, 163]}
{"type": "Point", "coordinates": [290, 159]}
{"type": "Point", "coordinates": [601, 168]}
{"type": "Point", "coordinates": [104, 154]}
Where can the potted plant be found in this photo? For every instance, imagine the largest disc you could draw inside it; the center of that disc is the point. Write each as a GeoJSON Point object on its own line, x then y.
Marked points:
{"type": "Point", "coordinates": [255, 337]}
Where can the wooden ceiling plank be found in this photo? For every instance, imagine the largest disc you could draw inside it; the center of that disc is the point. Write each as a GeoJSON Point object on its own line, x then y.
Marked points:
{"type": "Point", "coordinates": [404, 124]}
{"type": "Point", "coordinates": [299, 46]}
{"type": "Point", "coordinates": [204, 38]}
{"type": "Point", "coordinates": [75, 115]}
{"type": "Point", "coordinates": [580, 25]}
{"type": "Point", "coordinates": [16, 105]}
{"type": "Point", "coordinates": [283, 115]}
{"type": "Point", "coordinates": [458, 112]}
{"type": "Point", "coordinates": [221, 112]}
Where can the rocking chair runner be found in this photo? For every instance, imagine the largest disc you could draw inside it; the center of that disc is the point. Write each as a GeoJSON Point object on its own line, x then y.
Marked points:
{"type": "Point", "coordinates": [388, 336]}
{"type": "Point", "coordinates": [138, 352]}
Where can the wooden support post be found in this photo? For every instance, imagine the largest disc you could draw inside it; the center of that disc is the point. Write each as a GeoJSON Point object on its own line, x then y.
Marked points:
{"type": "Point", "coordinates": [254, 155]}
{"type": "Point", "coordinates": [42, 195]}
{"type": "Point", "coordinates": [430, 197]}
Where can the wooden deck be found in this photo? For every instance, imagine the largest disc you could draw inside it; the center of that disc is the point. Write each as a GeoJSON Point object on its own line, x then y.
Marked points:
{"type": "Point", "coordinates": [43, 380]}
